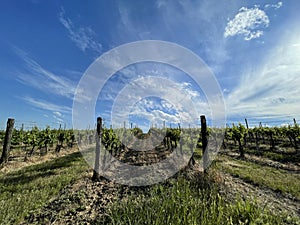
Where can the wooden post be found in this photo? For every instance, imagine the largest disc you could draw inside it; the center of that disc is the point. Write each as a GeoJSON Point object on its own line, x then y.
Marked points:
{"type": "Point", "coordinates": [180, 145]}
{"type": "Point", "coordinates": [7, 140]}
{"type": "Point", "coordinates": [22, 139]}
{"type": "Point", "coordinates": [96, 174]}
{"type": "Point", "coordinates": [246, 123]}
{"type": "Point", "coordinates": [262, 136]}
{"type": "Point", "coordinates": [295, 122]}
{"type": "Point", "coordinates": [245, 136]}
{"type": "Point", "coordinates": [204, 143]}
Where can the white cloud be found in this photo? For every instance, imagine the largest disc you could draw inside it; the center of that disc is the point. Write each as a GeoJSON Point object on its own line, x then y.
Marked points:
{"type": "Point", "coordinates": [43, 79]}
{"type": "Point", "coordinates": [45, 105]}
{"type": "Point", "coordinates": [193, 24]}
{"type": "Point", "coordinates": [184, 101]}
{"type": "Point", "coordinates": [58, 119]}
{"type": "Point", "coordinates": [161, 3]}
{"type": "Point", "coordinates": [83, 37]}
{"type": "Point", "coordinates": [271, 90]}
{"type": "Point", "coordinates": [248, 22]}
{"type": "Point", "coordinates": [275, 6]}
{"type": "Point", "coordinates": [179, 102]}
{"type": "Point", "coordinates": [59, 114]}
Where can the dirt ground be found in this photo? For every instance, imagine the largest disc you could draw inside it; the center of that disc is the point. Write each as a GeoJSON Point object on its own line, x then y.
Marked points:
{"type": "Point", "coordinates": [18, 160]}
{"type": "Point", "coordinates": [85, 201]}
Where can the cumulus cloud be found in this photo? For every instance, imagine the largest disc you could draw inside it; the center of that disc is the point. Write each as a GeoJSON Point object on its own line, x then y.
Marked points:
{"type": "Point", "coordinates": [83, 37]}
{"type": "Point", "coordinates": [248, 23]}
{"type": "Point", "coordinates": [156, 99]}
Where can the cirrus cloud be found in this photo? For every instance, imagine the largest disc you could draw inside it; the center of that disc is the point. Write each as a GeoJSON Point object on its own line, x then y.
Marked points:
{"type": "Point", "coordinates": [83, 37]}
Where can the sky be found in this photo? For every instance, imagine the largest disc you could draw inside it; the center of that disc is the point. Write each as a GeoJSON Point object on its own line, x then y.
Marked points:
{"type": "Point", "coordinates": [251, 47]}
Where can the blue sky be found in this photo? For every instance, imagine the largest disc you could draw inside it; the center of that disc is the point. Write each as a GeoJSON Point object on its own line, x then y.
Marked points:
{"type": "Point", "coordinates": [252, 47]}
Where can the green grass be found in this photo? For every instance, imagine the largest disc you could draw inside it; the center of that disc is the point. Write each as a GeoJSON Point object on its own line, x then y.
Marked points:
{"type": "Point", "coordinates": [273, 178]}
{"type": "Point", "coordinates": [178, 201]}
{"type": "Point", "coordinates": [32, 187]}
{"type": "Point", "coordinates": [184, 203]}
{"type": "Point", "coordinates": [276, 156]}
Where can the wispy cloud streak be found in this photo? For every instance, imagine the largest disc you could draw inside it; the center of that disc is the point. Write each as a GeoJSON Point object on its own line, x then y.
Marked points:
{"type": "Point", "coordinates": [42, 79]}
{"type": "Point", "coordinates": [45, 105]}
{"type": "Point", "coordinates": [271, 90]}
{"type": "Point", "coordinates": [83, 37]}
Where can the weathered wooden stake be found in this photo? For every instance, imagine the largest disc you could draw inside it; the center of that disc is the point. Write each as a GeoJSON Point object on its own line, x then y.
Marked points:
{"type": "Point", "coordinates": [245, 136]}
{"type": "Point", "coordinates": [246, 123]}
{"type": "Point", "coordinates": [96, 174]}
{"type": "Point", "coordinates": [7, 140]}
{"type": "Point", "coordinates": [204, 143]}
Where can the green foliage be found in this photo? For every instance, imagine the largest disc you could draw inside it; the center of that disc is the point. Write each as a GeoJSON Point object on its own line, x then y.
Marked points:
{"type": "Point", "coordinates": [239, 132]}
{"type": "Point", "coordinates": [287, 136]}
{"type": "Point", "coordinates": [32, 137]}
{"type": "Point", "coordinates": [137, 131]}
{"type": "Point", "coordinates": [41, 138]}
{"type": "Point", "coordinates": [173, 133]}
{"type": "Point", "coordinates": [46, 137]}
{"type": "Point", "coordinates": [110, 139]}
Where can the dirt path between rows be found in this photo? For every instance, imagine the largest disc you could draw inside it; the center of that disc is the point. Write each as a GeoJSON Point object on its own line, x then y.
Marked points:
{"type": "Point", "coordinates": [85, 201]}
{"type": "Point", "coordinates": [17, 162]}
{"type": "Point", "coordinates": [291, 167]}
{"type": "Point", "coordinates": [265, 197]}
